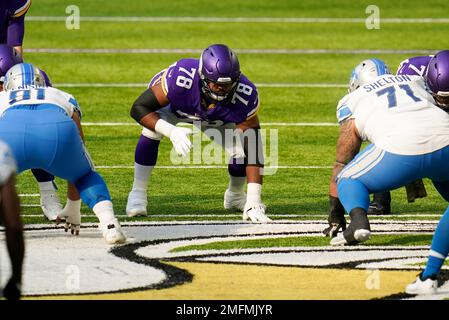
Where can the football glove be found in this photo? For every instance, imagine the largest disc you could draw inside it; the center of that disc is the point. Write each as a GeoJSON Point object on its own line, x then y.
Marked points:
{"type": "Point", "coordinates": [180, 139]}
{"type": "Point", "coordinates": [72, 216]}
{"type": "Point", "coordinates": [336, 219]}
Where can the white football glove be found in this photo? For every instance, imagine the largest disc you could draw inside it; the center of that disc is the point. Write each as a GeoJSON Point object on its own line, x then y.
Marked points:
{"type": "Point", "coordinates": [72, 216]}
{"type": "Point", "coordinates": [255, 213]}
{"type": "Point", "coordinates": [180, 139]}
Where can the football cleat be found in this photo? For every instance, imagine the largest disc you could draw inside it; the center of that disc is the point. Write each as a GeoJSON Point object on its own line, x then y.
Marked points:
{"type": "Point", "coordinates": [358, 230]}
{"type": "Point", "coordinates": [381, 204]}
{"type": "Point", "coordinates": [233, 200]}
{"type": "Point", "coordinates": [137, 203]}
{"type": "Point", "coordinates": [112, 232]}
{"type": "Point", "coordinates": [50, 204]}
{"type": "Point", "coordinates": [420, 286]}
{"type": "Point", "coordinates": [255, 213]}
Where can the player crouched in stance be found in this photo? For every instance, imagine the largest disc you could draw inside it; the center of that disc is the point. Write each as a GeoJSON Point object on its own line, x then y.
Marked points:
{"type": "Point", "coordinates": [10, 219]}
{"type": "Point", "coordinates": [43, 130]}
{"type": "Point", "coordinates": [49, 200]}
{"type": "Point", "coordinates": [406, 119]}
{"type": "Point", "coordinates": [211, 91]}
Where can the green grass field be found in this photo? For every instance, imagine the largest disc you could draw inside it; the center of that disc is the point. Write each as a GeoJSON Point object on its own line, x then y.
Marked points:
{"type": "Point", "coordinates": [290, 191]}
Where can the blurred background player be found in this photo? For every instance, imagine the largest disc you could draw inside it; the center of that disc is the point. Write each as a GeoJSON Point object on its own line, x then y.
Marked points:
{"type": "Point", "coordinates": [42, 127]}
{"type": "Point", "coordinates": [211, 91]}
{"type": "Point", "coordinates": [12, 31]}
{"type": "Point", "coordinates": [10, 219]}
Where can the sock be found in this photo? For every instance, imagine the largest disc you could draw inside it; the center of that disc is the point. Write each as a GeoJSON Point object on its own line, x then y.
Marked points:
{"type": "Point", "coordinates": [104, 211]}
{"type": "Point", "coordinates": [46, 186]}
{"type": "Point", "coordinates": [433, 266]}
{"type": "Point", "coordinates": [254, 193]}
{"type": "Point", "coordinates": [141, 176]}
{"type": "Point", "coordinates": [236, 184]}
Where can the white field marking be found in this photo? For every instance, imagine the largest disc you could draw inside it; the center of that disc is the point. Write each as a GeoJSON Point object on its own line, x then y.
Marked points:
{"type": "Point", "coordinates": [28, 194]}
{"type": "Point", "coordinates": [145, 85]}
{"type": "Point", "coordinates": [215, 167]}
{"type": "Point", "coordinates": [277, 124]}
{"type": "Point", "coordinates": [240, 51]}
{"type": "Point", "coordinates": [386, 218]}
{"type": "Point", "coordinates": [238, 19]}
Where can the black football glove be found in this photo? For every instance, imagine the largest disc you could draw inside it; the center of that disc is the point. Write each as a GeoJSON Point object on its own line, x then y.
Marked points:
{"type": "Point", "coordinates": [336, 219]}
{"type": "Point", "coordinates": [12, 291]}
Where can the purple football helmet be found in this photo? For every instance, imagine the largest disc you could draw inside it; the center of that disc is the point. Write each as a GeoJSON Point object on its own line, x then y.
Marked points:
{"type": "Point", "coordinates": [8, 58]}
{"type": "Point", "coordinates": [437, 78]}
{"type": "Point", "coordinates": [219, 71]}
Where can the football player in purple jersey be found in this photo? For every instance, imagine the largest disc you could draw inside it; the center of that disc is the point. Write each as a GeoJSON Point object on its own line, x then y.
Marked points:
{"type": "Point", "coordinates": [210, 92]}
{"type": "Point", "coordinates": [12, 22]}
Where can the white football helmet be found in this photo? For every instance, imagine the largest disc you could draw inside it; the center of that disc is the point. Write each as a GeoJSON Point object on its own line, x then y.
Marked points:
{"type": "Point", "coordinates": [365, 72]}
{"type": "Point", "coordinates": [23, 76]}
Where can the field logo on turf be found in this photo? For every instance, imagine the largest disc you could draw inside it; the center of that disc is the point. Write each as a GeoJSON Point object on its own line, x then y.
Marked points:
{"type": "Point", "coordinates": [72, 282]}
{"type": "Point", "coordinates": [372, 279]}
{"type": "Point", "coordinates": [373, 20]}
{"type": "Point", "coordinates": [72, 22]}
{"type": "Point", "coordinates": [209, 150]}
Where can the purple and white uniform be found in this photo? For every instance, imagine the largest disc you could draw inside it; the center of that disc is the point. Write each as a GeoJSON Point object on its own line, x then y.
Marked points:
{"type": "Point", "coordinates": [416, 66]}
{"type": "Point", "coordinates": [182, 85]}
{"type": "Point", "coordinates": [12, 21]}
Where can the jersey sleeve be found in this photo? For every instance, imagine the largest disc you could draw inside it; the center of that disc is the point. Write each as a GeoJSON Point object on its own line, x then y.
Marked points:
{"type": "Point", "coordinates": [73, 103]}
{"type": "Point", "coordinates": [21, 7]}
{"type": "Point", "coordinates": [7, 163]}
{"type": "Point", "coordinates": [345, 108]}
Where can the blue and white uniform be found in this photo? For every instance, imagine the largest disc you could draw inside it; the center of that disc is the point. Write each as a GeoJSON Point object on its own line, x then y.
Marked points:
{"type": "Point", "coordinates": [36, 123]}
{"type": "Point", "coordinates": [7, 163]}
{"type": "Point", "coordinates": [409, 136]}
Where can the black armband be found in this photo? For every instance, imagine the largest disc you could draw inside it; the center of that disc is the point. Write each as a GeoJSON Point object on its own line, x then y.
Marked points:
{"type": "Point", "coordinates": [144, 104]}
{"type": "Point", "coordinates": [253, 147]}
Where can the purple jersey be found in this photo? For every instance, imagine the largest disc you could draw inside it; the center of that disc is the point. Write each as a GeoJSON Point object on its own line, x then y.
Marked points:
{"type": "Point", "coordinates": [12, 20]}
{"type": "Point", "coordinates": [416, 66]}
{"type": "Point", "coordinates": [182, 85]}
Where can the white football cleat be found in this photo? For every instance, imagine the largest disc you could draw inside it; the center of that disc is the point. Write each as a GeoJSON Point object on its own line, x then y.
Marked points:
{"type": "Point", "coordinates": [255, 213]}
{"type": "Point", "coordinates": [233, 200]}
{"type": "Point", "coordinates": [112, 232]}
{"type": "Point", "coordinates": [137, 203]}
{"type": "Point", "coordinates": [50, 204]}
{"type": "Point", "coordinates": [428, 286]}
{"type": "Point", "coordinates": [360, 235]}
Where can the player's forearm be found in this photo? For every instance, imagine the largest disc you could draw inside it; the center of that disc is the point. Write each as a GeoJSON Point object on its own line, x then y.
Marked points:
{"type": "Point", "coordinates": [348, 145]}
{"type": "Point", "coordinates": [13, 228]}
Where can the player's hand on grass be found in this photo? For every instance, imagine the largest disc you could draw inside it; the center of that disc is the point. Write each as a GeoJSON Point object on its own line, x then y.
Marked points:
{"type": "Point", "coordinates": [336, 218]}
{"type": "Point", "coordinates": [72, 216]}
{"type": "Point", "coordinates": [180, 139]}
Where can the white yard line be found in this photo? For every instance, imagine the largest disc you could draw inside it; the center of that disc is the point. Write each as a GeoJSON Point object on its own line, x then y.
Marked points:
{"type": "Point", "coordinates": [317, 20]}
{"type": "Point", "coordinates": [242, 51]}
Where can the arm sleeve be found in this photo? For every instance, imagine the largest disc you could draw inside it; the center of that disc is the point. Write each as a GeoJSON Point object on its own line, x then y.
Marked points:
{"type": "Point", "coordinates": [144, 104]}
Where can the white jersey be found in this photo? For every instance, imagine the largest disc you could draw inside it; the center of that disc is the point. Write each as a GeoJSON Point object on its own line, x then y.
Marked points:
{"type": "Point", "coordinates": [33, 96]}
{"type": "Point", "coordinates": [7, 163]}
{"type": "Point", "coordinates": [397, 114]}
